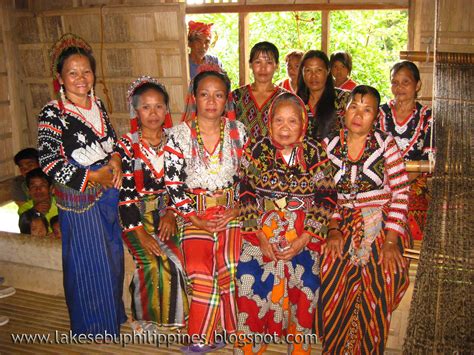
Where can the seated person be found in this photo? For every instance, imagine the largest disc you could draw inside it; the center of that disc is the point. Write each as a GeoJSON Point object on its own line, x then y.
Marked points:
{"type": "Point", "coordinates": [41, 198]}
{"type": "Point", "coordinates": [34, 223]}
{"type": "Point", "coordinates": [54, 224]}
{"type": "Point", "coordinates": [26, 160]}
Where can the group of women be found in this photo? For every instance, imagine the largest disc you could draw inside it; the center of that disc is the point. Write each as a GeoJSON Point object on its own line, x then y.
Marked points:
{"type": "Point", "coordinates": [264, 211]}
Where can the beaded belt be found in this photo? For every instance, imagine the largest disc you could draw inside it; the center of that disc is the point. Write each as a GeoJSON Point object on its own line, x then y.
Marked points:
{"type": "Point", "coordinates": [154, 202]}
{"type": "Point", "coordinates": [202, 201]}
{"type": "Point", "coordinates": [76, 201]}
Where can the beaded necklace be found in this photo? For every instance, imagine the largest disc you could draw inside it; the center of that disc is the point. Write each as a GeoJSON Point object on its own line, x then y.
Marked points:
{"type": "Point", "coordinates": [346, 167]}
{"type": "Point", "coordinates": [156, 147]}
{"type": "Point", "coordinates": [201, 143]}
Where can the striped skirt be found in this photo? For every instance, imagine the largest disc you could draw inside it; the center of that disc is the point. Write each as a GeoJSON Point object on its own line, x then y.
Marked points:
{"type": "Point", "coordinates": [158, 284]}
{"type": "Point", "coordinates": [211, 262]}
{"type": "Point", "coordinates": [92, 252]}
{"type": "Point", "coordinates": [357, 300]}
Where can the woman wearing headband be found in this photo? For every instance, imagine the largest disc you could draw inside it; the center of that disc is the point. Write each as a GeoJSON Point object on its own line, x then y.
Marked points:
{"type": "Point", "coordinates": [286, 200]}
{"type": "Point", "coordinates": [76, 149]}
{"type": "Point", "coordinates": [149, 225]}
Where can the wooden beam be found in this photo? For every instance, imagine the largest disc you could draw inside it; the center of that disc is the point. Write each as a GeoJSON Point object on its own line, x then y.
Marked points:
{"type": "Point", "coordinates": [244, 52]}
{"type": "Point", "coordinates": [210, 9]}
{"type": "Point", "coordinates": [325, 31]}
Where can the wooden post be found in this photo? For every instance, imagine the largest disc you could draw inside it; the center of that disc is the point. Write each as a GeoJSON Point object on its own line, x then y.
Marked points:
{"type": "Point", "coordinates": [244, 51]}
{"type": "Point", "coordinates": [325, 31]}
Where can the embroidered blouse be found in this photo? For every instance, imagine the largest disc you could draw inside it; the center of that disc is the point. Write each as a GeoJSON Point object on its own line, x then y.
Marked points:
{"type": "Point", "coordinates": [253, 116]}
{"type": "Point", "coordinates": [378, 177]}
{"type": "Point", "coordinates": [152, 164]}
{"type": "Point", "coordinates": [414, 134]}
{"type": "Point", "coordinates": [71, 142]}
{"type": "Point", "coordinates": [307, 185]}
{"type": "Point", "coordinates": [185, 172]}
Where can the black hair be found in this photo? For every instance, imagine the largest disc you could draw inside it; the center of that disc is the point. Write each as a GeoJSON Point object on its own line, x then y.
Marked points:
{"type": "Point", "coordinates": [37, 173]}
{"type": "Point", "coordinates": [27, 153]}
{"type": "Point", "coordinates": [149, 86]}
{"type": "Point", "coordinates": [408, 65]}
{"type": "Point", "coordinates": [71, 51]}
{"type": "Point", "coordinates": [205, 74]}
{"type": "Point", "coordinates": [366, 90]}
{"type": "Point", "coordinates": [27, 217]}
{"type": "Point", "coordinates": [343, 57]}
{"type": "Point", "coordinates": [326, 107]}
{"type": "Point", "coordinates": [266, 48]}
{"type": "Point", "coordinates": [284, 97]}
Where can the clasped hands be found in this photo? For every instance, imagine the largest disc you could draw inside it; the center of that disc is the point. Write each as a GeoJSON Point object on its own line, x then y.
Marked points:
{"type": "Point", "coordinates": [271, 251]}
{"type": "Point", "coordinates": [218, 222]}
{"type": "Point", "coordinates": [109, 175]}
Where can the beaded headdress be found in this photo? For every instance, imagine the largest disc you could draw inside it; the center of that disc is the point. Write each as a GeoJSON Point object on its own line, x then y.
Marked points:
{"type": "Point", "coordinates": [68, 40]}
{"type": "Point", "coordinates": [134, 125]}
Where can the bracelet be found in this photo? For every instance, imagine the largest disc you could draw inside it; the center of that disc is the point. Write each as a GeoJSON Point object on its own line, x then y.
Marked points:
{"type": "Point", "coordinates": [334, 229]}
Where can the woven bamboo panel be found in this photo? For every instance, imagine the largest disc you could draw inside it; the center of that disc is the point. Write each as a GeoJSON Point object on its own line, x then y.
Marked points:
{"type": "Point", "coordinates": [33, 63]}
{"type": "Point", "coordinates": [4, 114]}
{"type": "Point", "coordinates": [39, 95]}
{"type": "Point", "coordinates": [3, 91]}
{"type": "Point", "coordinates": [52, 27]}
{"type": "Point", "coordinates": [146, 62]}
{"type": "Point", "coordinates": [27, 22]}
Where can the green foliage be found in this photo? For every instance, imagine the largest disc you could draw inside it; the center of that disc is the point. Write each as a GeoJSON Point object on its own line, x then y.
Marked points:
{"type": "Point", "coordinates": [374, 39]}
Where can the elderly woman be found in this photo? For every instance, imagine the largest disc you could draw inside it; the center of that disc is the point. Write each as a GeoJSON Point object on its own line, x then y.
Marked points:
{"type": "Point", "coordinates": [411, 124]}
{"type": "Point", "coordinates": [149, 226]}
{"type": "Point", "coordinates": [202, 158]}
{"type": "Point", "coordinates": [292, 60]}
{"type": "Point", "coordinates": [341, 68]}
{"type": "Point", "coordinates": [325, 104]}
{"type": "Point", "coordinates": [287, 196]}
{"type": "Point", "coordinates": [199, 40]}
{"type": "Point", "coordinates": [252, 102]}
{"type": "Point", "coordinates": [76, 149]}
{"type": "Point", "coordinates": [364, 274]}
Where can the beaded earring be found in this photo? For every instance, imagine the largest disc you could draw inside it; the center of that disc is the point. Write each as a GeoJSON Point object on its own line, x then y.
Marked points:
{"type": "Point", "coordinates": [92, 94]}
{"type": "Point", "coordinates": [62, 94]}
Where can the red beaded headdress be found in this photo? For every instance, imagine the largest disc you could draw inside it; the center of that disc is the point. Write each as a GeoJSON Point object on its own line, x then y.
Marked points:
{"type": "Point", "coordinates": [68, 40]}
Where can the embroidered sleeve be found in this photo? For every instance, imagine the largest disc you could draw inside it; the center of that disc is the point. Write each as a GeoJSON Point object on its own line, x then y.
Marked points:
{"type": "Point", "coordinates": [318, 217]}
{"type": "Point", "coordinates": [175, 177]}
{"type": "Point", "coordinates": [399, 186]}
{"type": "Point", "coordinates": [129, 198]}
{"type": "Point", "coordinates": [51, 152]}
{"type": "Point", "coordinates": [249, 211]}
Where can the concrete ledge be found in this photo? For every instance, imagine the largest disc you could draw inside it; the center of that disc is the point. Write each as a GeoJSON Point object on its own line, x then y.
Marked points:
{"type": "Point", "coordinates": [35, 264]}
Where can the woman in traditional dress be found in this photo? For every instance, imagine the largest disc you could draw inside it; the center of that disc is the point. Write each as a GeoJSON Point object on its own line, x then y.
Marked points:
{"type": "Point", "coordinates": [149, 225]}
{"type": "Point", "coordinates": [286, 198]}
{"type": "Point", "coordinates": [325, 104]}
{"type": "Point", "coordinates": [341, 68]}
{"type": "Point", "coordinates": [76, 149]}
{"type": "Point", "coordinates": [252, 102]}
{"type": "Point", "coordinates": [199, 40]}
{"type": "Point", "coordinates": [202, 158]}
{"type": "Point", "coordinates": [292, 60]}
{"type": "Point", "coordinates": [364, 274]}
{"type": "Point", "coordinates": [411, 124]}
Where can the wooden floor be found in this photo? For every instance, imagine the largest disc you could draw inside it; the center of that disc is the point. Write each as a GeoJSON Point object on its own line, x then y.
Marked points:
{"type": "Point", "coordinates": [34, 313]}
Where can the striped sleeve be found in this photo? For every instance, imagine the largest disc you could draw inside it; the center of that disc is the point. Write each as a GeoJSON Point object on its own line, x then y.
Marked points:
{"type": "Point", "coordinates": [52, 158]}
{"type": "Point", "coordinates": [399, 186]}
{"type": "Point", "coordinates": [175, 177]}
